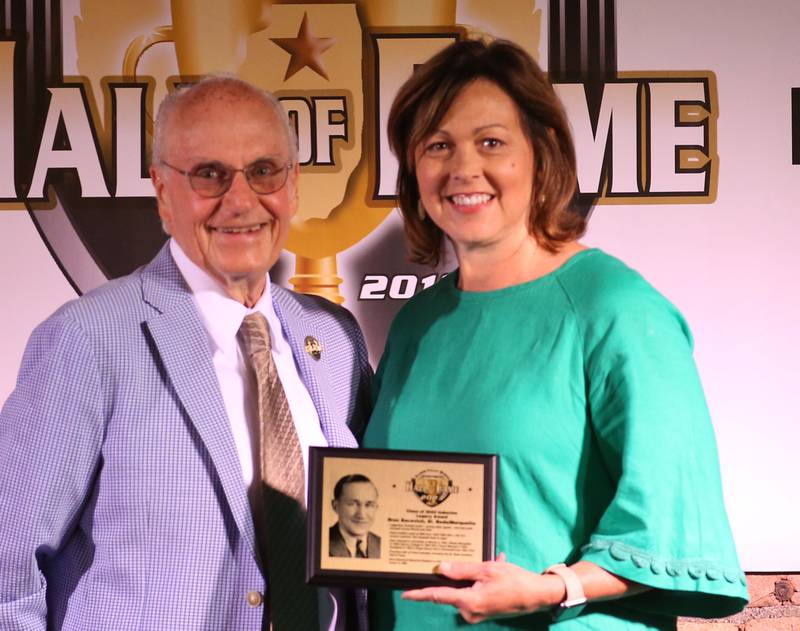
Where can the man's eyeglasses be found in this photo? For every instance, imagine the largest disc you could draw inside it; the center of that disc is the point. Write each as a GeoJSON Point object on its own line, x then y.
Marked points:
{"type": "Point", "coordinates": [215, 178]}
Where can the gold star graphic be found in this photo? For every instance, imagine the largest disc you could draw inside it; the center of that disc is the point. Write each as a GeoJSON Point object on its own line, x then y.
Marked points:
{"type": "Point", "coordinates": [305, 49]}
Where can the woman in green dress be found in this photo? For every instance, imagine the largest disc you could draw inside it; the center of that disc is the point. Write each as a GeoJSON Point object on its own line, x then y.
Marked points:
{"type": "Point", "coordinates": [558, 358]}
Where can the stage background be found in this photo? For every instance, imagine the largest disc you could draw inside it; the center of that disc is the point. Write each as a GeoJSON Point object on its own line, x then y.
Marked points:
{"type": "Point", "coordinates": [726, 258]}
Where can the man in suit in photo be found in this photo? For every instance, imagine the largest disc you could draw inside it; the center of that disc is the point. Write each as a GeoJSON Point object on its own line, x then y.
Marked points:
{"type": "Point", "coordinates": [153, 452]}
{"type": "Point", "coordinates": [355, 501]}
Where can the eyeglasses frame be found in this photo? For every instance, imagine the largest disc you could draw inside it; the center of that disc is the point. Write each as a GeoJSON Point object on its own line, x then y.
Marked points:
{"type": "Point", "coordinates": [243, 171]}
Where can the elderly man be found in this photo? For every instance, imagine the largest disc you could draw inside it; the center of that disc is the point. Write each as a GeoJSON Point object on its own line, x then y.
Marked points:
{"type": "Point", "coordinates": [152, 454]}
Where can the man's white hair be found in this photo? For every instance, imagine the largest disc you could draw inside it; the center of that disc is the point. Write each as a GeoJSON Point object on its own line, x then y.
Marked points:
{"type": "Point", "coordinates": [210, 87]}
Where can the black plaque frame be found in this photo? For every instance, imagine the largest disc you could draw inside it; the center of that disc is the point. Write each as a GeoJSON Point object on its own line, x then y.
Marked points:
{"type": "Point", "coordinates": [318, 501]}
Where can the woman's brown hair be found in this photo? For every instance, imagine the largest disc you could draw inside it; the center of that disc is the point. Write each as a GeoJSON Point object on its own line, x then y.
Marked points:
{"type": "Point", "coordinates": [425, 98]}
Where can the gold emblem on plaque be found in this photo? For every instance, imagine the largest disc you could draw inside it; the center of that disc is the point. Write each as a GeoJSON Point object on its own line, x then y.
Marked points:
{"type": "Point", "coordinates": [313, 347]}
{"type": "Point", "coordinates": [432, 487]}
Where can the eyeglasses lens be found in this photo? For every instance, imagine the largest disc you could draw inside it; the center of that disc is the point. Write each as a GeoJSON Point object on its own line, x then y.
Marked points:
{"type": "Point", "coordinates": [215, 180]}
{"type": "Point", "coordinates": [265, 177]}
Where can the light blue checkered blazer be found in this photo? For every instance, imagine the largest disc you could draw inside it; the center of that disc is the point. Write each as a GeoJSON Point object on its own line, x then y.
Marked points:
{"type": "Point", "coordinates": [122, 504]}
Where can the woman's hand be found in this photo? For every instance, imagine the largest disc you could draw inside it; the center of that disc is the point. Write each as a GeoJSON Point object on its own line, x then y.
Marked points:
{"type": "Point", "coordinates": [501, 589]}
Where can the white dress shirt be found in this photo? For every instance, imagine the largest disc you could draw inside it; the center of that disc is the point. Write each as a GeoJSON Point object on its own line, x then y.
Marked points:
{"type": "Point", "coordinates": [222, 316]}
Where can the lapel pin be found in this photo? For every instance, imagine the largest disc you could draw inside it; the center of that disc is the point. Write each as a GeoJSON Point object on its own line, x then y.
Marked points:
{"type": "Point", "coordinates": [313, 347]}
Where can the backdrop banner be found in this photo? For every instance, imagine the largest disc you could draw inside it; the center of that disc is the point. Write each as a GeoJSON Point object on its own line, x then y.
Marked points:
{"type": "Point", "coordinates": [686, 118]}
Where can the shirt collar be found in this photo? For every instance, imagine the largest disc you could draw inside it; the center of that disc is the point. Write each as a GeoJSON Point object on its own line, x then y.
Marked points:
{"type": "Point", "coordinates": [222, 315]}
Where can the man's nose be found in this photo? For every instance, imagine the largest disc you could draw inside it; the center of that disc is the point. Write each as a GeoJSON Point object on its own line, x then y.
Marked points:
{"type": "Point", "coordinates": [240, 196]}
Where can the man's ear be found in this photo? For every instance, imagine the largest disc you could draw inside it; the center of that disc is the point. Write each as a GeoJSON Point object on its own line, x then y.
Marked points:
{"type": "Point", "coordinates": [335, 506]}
{"type": "Point", "coordinates": [164, 210]}
{"type": "Point", "coordinates": [158, 183]}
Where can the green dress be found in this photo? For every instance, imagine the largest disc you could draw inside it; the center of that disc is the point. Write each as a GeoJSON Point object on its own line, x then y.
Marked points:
{"type": "Point", "coordinates": [583, 383]}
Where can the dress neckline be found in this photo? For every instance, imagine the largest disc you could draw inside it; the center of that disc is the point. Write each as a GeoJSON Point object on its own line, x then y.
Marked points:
{"type": "Point", "coordinates": [451, 281]}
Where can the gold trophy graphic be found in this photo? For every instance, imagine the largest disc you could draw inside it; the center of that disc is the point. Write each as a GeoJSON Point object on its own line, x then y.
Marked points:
{"type": "Point", "coordinates": [323, 43]}
{"type": "Point", "coordinates": [316, 241]}
{"type": "Point", "coordinates": [209, 36]}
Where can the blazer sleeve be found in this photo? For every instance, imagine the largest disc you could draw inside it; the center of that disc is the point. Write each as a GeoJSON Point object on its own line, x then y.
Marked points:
{"type": "Point", "coordinates": [51, 431]}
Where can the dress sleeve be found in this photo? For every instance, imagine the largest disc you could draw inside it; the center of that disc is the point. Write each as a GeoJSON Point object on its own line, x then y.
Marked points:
{"type": "Point", "coordinates": [666, 526]}
{"type": "Point", "coordinates": [50, 439]}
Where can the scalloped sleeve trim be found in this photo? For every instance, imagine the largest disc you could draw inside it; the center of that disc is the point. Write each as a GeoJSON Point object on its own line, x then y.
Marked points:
{"type": "Point", "coordinates": [632, 563]}
{"type": "Point", "coordinates": [691, 587]}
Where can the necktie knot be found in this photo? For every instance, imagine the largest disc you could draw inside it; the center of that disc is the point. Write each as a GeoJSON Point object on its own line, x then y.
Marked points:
{"type": "Point", "coordinates": [360, 553]}
{"type": "Point", "coordinates": [254, 333]}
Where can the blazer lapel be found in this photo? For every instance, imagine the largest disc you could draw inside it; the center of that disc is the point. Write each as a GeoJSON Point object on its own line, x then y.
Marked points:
{"type": "Point", "coordinates": [297, 325]}
{"type": "Point", "coordinates": [182, 343]}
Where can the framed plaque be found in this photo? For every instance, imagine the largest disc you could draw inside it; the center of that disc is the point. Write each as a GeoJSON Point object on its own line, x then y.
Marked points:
{"type": "Point", "coordinates": [383, 518]}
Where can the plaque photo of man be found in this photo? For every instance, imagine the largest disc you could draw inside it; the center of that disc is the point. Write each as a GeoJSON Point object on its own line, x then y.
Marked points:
{"type": "Point", "coordinates": [355, 502]}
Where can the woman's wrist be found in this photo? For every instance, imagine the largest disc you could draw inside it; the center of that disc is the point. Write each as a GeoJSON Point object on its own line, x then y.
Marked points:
{"type": "Point", "coordinates": [600, 584]}
{"type": "Point", "coordinates": [553, 591]}
{"type": "Point", "coordinates": [540, 592]}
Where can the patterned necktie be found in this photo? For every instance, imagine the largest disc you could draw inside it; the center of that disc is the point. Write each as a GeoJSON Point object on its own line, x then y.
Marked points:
{"type": "Point", "coordinates": [360, 549]}
{"type": "Point", "coordinates": [281, 523]}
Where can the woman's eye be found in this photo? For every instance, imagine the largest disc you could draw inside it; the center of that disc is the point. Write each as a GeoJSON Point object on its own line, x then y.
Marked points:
{"type": "Point", "coordinates": [436, 147]}
{"type": "Point", "coordinates": [492, 143]}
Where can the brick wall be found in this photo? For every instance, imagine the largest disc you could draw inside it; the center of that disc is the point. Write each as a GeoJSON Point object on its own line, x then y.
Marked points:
{"type": "Point", "coordinates": [774, 606]}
